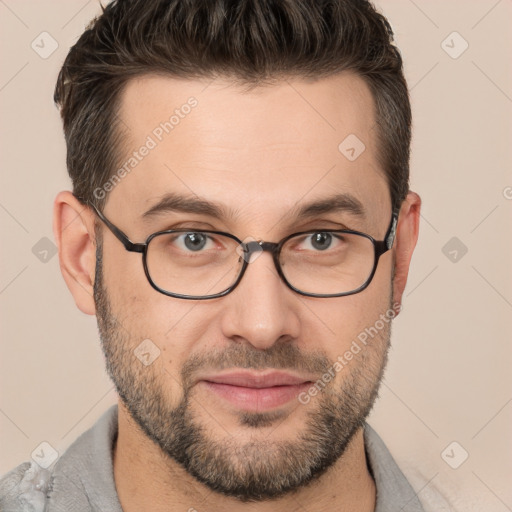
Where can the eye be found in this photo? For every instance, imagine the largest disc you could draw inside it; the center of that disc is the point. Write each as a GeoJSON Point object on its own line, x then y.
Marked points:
{"type": "Point", "coordinates": [193, 241]}
{"type": "Point", "coordinates": [320, 241]}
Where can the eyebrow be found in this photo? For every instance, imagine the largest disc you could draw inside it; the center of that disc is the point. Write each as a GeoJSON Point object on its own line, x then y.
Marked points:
{"type": "Point", "coordinates": [173, 202]}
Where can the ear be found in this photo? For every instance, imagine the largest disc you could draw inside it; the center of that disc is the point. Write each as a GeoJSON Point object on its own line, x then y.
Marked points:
{"type": "Point", "coordinates": [73, 228]}
{"type": "Point", "coordinates": [405, 242]}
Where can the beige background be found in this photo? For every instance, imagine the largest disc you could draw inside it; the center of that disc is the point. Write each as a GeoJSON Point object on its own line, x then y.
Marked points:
{"type": "Point", "coordinates": [449, 377]}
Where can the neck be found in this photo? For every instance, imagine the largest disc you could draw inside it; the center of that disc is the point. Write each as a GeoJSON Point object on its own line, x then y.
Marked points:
{"type": "Point", "coordinates": [147, 480]}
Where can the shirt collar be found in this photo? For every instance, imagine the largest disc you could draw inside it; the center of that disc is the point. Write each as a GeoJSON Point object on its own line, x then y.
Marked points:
{"type": "Point", "coordinates": [394, 492]}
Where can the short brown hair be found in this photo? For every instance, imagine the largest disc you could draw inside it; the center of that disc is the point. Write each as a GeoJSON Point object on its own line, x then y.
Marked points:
{"type": "Point", "coordinates": [249, 41]}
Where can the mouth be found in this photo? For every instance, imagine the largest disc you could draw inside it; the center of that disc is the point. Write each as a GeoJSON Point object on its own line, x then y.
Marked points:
{"type": "Point", "coordinates": [256, 391]}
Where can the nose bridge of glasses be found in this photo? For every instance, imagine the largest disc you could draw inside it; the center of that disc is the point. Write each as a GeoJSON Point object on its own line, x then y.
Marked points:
{"type": "Point", "coordinates": [256, 247]}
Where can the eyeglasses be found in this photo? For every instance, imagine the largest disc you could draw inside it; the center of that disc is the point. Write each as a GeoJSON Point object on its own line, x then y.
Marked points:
{"type": "Point", "coordinates": [203, 264]}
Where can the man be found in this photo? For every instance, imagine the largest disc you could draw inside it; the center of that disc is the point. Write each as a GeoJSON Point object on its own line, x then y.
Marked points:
{"type": "Point", "coordinates": [255, 154]}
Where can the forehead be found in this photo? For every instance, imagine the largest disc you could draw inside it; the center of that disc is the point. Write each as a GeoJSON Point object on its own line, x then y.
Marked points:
{"type": "Point", "coordinates": [259, 150]}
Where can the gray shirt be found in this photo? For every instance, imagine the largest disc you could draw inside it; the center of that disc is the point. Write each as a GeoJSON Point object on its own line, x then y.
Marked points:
{"type": "Point", "coordinates": [82, 479]}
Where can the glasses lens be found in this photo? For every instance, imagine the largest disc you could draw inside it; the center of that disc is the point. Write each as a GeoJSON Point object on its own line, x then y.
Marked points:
{"type": "Point", "coordinates": [327, 263]}
{"type": "Point", "coordinates": [193, 263]}
{"type": "Point", "coordinates": [200, 264]}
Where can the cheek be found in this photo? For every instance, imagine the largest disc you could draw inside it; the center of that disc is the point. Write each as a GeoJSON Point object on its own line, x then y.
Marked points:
{"type": "Point", "coordinates": [346, 319]}
{"type": "Point", "coordinates": [177, 327]}
{"type": "Point", "coordinates": [123, 272]}
{"type": "Point", "coordinates": [381, 284]}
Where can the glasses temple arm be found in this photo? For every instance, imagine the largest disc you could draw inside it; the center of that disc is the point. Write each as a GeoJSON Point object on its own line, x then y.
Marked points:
{"type": "Point", "coordinates": [120, 235]}
{"type": "Point", "coordinates": [390, 235]}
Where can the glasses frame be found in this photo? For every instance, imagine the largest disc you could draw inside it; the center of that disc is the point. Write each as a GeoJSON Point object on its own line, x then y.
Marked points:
{"type": "Point", "coordinates": [380, 248]}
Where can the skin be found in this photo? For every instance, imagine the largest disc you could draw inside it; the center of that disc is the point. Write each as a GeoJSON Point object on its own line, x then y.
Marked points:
{"type": "Point", "coordinates": [259, 152]}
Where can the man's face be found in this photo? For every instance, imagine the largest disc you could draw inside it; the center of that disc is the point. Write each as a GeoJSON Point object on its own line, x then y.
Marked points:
{"type": "Point", "coordinates": [261, 154]}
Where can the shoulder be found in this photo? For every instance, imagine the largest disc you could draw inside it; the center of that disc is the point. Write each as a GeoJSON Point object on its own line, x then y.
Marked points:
{"type": "Point", "coordinates": [409, 482]}
{"type": "Point", "coordinates": [24, 488]}
{"type": "Point", "coordinates": [83, 472]}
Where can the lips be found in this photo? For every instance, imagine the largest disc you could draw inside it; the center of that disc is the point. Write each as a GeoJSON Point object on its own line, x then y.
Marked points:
{"type": "Point", "coordinates": [257, 380]}
{"type": "Point", "coordinates": [256, 391]}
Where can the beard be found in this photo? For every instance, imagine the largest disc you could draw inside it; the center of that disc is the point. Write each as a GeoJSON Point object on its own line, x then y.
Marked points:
{"type": "Point", "coordinates": [259, 469]}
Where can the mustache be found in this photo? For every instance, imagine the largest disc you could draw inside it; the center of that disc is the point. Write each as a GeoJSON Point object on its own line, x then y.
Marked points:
{"type": "Point", "coordinates": [282, 356]}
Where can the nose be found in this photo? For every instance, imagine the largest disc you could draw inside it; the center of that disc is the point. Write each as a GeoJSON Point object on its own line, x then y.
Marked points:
{"type": "Point", "coordinates": [261, 310]}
